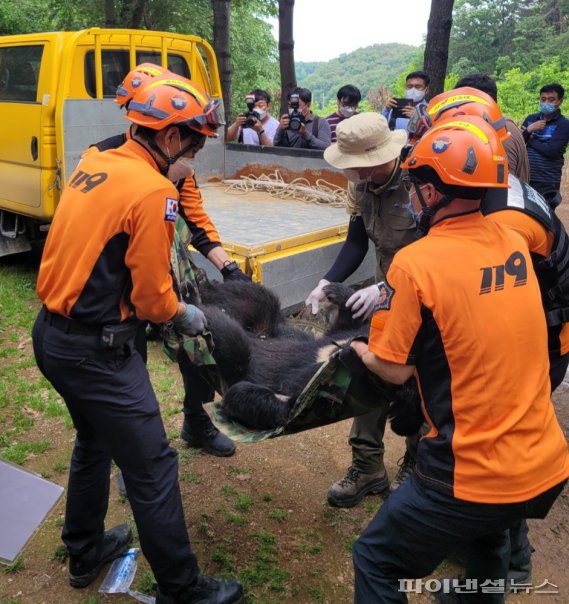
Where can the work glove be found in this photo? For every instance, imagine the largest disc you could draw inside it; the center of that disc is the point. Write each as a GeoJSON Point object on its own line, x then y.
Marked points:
{"type": "Point", "coordinates": [362, 302]}
{"type": "Point", "coordinates": [192, 322]}
{"type": "Point", "coordinates": [316, 295]}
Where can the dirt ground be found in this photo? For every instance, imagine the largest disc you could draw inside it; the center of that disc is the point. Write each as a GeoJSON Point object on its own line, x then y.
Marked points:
{"type": "Point", "coordinates": [286, 480]}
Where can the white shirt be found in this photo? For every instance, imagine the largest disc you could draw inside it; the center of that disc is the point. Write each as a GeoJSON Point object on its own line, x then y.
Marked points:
{"type": "Point", "coordinates": [250, 137]}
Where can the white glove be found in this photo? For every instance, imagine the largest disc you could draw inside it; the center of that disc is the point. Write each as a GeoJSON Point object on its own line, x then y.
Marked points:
{"type": "Point", "coordinates": [316, 295]}
{"type": "Point", "coordinates": [362, 302]}
{"type": "Point", "coordinates": [192, 322]}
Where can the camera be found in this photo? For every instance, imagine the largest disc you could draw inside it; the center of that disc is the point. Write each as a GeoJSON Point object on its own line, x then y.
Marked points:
{"type": "Point", "coordinates": [296, 118]}
{"type": "Point", "coordinates": [251, 115]}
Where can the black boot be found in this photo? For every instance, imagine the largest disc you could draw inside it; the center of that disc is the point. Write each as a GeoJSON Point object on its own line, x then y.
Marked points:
{"type": "Point", "coordinates": [206, 590]}
{"type": "Point", "coordinates": [199, 431]}
{"type": "Point", "coordinates": [85, 568]}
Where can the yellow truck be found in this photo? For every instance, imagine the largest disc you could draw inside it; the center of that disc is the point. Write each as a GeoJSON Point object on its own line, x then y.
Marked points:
{"type": "Point", "coordinates": [57, 94]}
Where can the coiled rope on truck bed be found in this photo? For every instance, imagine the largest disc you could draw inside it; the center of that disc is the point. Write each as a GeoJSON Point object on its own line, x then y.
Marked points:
{"type": "Point", "coordinates": [300, 189]}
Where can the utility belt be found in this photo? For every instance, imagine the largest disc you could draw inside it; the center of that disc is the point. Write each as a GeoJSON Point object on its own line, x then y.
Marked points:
{"type": "Point", "coordinates": [110, 336]}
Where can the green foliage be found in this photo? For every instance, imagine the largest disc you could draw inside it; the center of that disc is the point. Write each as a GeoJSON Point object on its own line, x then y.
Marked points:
{"type": "Point", "coordinates": [367, 68]}
{"type": "Point", "coordinates": [16, 566]}
{"type": "Point", "coordinates": [523, 44]}
{"type": "Point", "coordinates": [60, 554]}
{"type": "Point", "coordinates": [147, 583]}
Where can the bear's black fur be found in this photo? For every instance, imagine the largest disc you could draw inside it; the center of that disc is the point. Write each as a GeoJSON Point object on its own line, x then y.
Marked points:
{"type": "Point", "coordinates": [265, 375]}
{"type": "Point", "coordinates": [266, 363]}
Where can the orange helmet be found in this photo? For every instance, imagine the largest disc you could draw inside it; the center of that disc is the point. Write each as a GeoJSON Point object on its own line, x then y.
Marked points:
{"type": "Point", "coordinates": [464, 151]}
{"type": "Point", "coordinates": [172, 100]}
{"type": "Point", "coordinates": [139, 76]}
{"type": "Point", "coordinates": [467, 101]}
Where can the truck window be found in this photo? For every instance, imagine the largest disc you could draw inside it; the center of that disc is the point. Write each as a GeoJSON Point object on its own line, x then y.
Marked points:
{"type": "Point", "coordinates": [19, 73]}
{"type": "Point", "coordinates": [116, 66]}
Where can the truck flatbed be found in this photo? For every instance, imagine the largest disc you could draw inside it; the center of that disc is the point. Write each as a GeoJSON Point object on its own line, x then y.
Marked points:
{"type": "Point", "coordinates": [286, 244]}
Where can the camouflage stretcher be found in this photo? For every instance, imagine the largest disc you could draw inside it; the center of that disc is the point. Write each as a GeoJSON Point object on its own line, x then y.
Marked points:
{"type": "Point", "coordinates": [332, 394]}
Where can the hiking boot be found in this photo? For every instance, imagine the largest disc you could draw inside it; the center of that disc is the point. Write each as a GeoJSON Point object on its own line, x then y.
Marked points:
{"type": "Point", "coordinates": [85, 568]}
{"type": "Point", "coordinates": [200, 432]}
{"type": "Point", "coordinates": [206, 590]}
{"type": "Point", "coordinates": [406, 468]}
{"type": "Point", "coordinates": [355, 485]}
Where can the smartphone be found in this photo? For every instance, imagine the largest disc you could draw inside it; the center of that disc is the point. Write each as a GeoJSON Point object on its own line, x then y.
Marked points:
{"type": "Point", "coordinates": [403, 103]}
{"type": "Point", "coordinates": [400, 104]}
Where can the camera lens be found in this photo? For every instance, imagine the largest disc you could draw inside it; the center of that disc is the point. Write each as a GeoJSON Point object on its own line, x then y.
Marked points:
{"type": "Point", "coordinates": [294, 124]}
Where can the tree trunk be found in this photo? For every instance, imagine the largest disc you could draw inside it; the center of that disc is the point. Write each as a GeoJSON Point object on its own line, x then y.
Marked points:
{"type": "Point", "coordinates": [110, 14]}
{"type": "Point", "coordinates": [222, 47]}
{"type": "Point", "coordinates": [436, 47]}
{"type": "Point", "coordinates": [286, 50]}
{"type": "Point", "coordinates": [128, 14]}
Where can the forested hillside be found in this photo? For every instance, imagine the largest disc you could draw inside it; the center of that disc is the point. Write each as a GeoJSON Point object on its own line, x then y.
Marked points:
{"type": "Point", "coordinates": [522, 43]}
{"type": "Point", "coordinates": [367, 68]}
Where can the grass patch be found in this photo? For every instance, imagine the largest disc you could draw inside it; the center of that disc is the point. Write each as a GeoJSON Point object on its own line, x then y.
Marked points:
{"type": "Point", "coordinates": [278, 515]}
{"type": "Point", "coordinates": [371, 507]}
{"type": "Point", "coordinates": [223, 559]}
{"type": "Point", "coordinates": [349, 543]}
{"type": "Point", "coordinates": [147, 583]}
{"type": "Point", "coordinates": [265, 571]}
{"type": "Point", "coordinates": [187, 454]}
{"type": "Point", "coordinates": [244, 503]}
{"type": "Point", "coordinates": [191, 477]}
{"type": "Point", "coordinates": [236, 519]}
{"type": "Point", "coordinates": [315, 593]}
{"type": "Point", "coordinates": [60, 554]}
{"type": "Point", "coordinates": [19, 452]}
{"type": "Point", "coordinates": [239, 473]}
{"type": "Point", "coordinates": [204, 528]}
{"type": "Point", "coordinates": [228, 490]}
{"type": "Point", "coordinates": [16, 566]}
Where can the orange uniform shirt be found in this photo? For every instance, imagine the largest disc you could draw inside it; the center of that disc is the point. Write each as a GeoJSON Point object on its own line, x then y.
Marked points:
{"type": "Point", "coordinates": [539, 241]}
{"type": "Point", "coordinates": [107, 254]}
{"type": "Point", "coordinates": [463, 305]}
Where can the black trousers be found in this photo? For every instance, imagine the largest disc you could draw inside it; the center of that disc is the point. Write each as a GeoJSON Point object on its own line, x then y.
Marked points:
{"type": "Point", "coordinates": [117, 417]}
{"type": "Point", "coordinates": [197, 391]}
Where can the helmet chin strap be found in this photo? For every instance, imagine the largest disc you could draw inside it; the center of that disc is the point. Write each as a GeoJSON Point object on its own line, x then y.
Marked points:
{"type": "Point", "coordinates": [428, 212]}
{"type": "Point", "coordinates": [169, 159]}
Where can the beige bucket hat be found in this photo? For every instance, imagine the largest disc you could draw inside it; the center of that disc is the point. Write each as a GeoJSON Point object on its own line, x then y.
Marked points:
{"type": "Point", "coordinates": [364, 140]}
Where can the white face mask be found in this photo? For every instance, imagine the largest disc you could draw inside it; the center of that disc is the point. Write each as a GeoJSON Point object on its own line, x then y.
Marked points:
{"type": "Point", "coordinates": [347, 111]}
{"type": "Point", "coordinates": [181, 168]}
{"type": "Point", "coordinates": [415, 95]}
{"type": "Point", "coordinates": [261, 113]}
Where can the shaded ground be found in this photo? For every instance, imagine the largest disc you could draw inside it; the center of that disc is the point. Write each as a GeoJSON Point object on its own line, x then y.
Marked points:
{"type": "Point", "coordinates": [261, 514]}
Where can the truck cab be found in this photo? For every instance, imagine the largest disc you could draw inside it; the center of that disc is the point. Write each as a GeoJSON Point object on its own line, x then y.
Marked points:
{"type": "Point", "coordinates": [57, 95]}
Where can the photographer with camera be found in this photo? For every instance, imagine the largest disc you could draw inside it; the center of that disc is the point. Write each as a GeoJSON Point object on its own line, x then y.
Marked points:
{"type": "Point", "coordinates": [399, 111]}
{"type": "Point", "coordinates": [256, 126]}
{"type": "Point", "coordinates": [300, 127]}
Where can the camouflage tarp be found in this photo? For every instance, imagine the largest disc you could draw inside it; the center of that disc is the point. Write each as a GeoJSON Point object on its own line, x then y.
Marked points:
{"type": "Point", "coordinates": [184, 273]}
{"type": "Point", "coordinates": [333, 394]}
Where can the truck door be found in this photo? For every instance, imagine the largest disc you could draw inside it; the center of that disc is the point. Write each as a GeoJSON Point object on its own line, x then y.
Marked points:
{"type": "Point", "coordinates": [20, 168]}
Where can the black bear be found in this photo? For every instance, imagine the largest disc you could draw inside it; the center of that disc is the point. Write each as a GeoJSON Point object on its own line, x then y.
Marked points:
{"type": "Point", "coordinates": [264, 361]}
